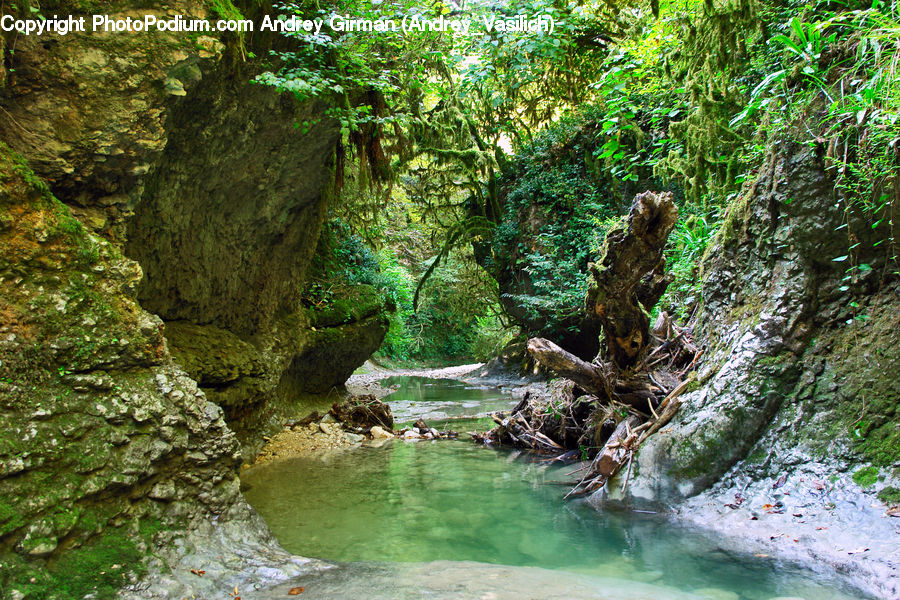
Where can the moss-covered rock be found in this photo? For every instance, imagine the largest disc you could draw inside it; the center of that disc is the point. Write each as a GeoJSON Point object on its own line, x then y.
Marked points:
{"type": "Point", "coordinates": [89, 110]}
{"type": "Point", "coordinates": [101, 430]}
{"type": "Point", "coordinates": [800, 348]}
{"type": "Point", "coordinates": [259, 379]}
{"type": "Point", "coordinates": [228, 221]}
{"type": "Point", "coordinates": [162, 144]}
{"type": "Point", "coordinates": [889, 495]}
{"type": "Point", "coordinates": [866, 477]}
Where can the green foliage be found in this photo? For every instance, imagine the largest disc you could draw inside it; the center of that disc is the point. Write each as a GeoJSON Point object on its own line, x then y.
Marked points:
{"type": "Point", "coordinates": [343, 256]}
{"type": "Point", "coordinates": [686, 246]}
{"type": "Point", "coordinates": [515, 85]}
{"type": "Point", "coordinates": [889, 495]}
{"type": "Point", "coordinates": [844, 61]}
{"type": "Point", "coordinates": [491, 335]}
{"type": "Point", "coordinates": [455, 318]}
{"type": "Point", "coordinates": [452, 321]}
{"type": "Point", "coordinates": [685, 100]}
{"type": "Point", "coordinates": [398, 283]}
{"type": "Point", "coordinates": [560, 196]}
{"type": "Point", "coordinates": [226, 9]}
{"type": "Point", "coordinates": [866, 477]}
{"type": "Point", "coordinates": [367, 80]}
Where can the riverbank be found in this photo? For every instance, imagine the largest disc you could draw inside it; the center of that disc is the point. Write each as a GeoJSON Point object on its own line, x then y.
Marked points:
{"type": "Point", "coordinates": [323, 434]}
{"type": "Point", "coordinates": [812, 518]}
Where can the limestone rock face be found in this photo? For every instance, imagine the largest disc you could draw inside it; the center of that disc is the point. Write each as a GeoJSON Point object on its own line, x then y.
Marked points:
{"type": "Point", "coordinates": [778, 309]}
{"type": "Point", "coordinates": [89, 111]}
{"type": "Point", "coordinates": [308, 352]}
{"type": "Point", "coordinates": [162, 144]}
{"type": "Point", "coordinates": [100, 428]}
{"type": "Point", "coordinates": [163, 138]}
{"type": "Point", "coordinates": [230, 215]}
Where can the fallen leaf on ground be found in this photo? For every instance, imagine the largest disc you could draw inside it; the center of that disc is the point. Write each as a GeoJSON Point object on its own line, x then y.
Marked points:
{"type": "Point", "coordinates": [198, 572]}
{"type": "Point", "coordinates": [295, 591]}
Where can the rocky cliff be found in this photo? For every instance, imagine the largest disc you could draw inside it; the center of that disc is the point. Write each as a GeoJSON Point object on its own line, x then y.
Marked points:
{"type": "Point", "coordinates": [105, 438]}
{"type": "Point", "coordinates": [794, 423]}
{"type": "Point", "coordinates": [162, 144]}
{"type": "Point", "coordinates": [145, 179]}
{"type": "Point", "coordinates": [797, 319]}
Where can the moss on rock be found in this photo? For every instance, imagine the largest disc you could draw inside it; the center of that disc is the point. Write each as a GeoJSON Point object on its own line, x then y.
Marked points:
{"type": "Point", "coordinates": [865, 355]}
{"type": "Point", "coordinates": [889, 495]}
{"type": "Point", "coordinates": [95, 416]}
{"type": "Point", "coordinates": [866, 477]}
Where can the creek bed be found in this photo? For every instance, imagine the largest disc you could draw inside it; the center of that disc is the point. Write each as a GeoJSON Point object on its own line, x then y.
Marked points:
{"type": "Point", "coordinates": [449, 519]}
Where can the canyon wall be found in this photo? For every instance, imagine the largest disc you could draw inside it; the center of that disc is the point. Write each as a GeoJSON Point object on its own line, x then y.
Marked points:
{"type": "Point", "coordinates": [158, 214]}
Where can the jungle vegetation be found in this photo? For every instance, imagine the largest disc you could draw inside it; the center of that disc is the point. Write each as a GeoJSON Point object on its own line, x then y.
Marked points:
{"type": "Point", "coordinates": [518, 151]}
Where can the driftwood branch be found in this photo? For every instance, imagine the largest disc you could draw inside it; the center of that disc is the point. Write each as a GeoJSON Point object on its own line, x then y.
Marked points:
{"type": "Point", "coordinates": [615, 453]}
{"type": "Point", "coordinates": [587, 376]}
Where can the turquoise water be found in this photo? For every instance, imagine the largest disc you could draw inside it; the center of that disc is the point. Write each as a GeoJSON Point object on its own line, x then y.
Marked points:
{"type": "Point", "coordinates": [445, 516]}
{"type": "Point", "coordinates": [441, 399]}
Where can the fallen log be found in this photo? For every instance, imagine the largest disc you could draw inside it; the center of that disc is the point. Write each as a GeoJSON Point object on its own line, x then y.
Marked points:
{"type": "Point", "coordinates": [587, 376]}
{"type": "Point", "coordinates": [608, 462]}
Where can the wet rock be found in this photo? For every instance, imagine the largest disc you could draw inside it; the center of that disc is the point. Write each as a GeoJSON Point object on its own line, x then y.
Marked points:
{"type": "Point", "coordinates": [378, 433]}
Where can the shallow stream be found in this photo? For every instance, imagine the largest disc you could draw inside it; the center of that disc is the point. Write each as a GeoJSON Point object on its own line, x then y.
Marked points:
{"type": "Point", "coordinates": [449, 519]}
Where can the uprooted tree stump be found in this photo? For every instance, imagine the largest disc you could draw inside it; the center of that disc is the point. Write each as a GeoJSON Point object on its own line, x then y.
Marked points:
{"type": "Point", "coordinates": [630, 277]}
{"type": "Point", "coordinates": [630, 390]}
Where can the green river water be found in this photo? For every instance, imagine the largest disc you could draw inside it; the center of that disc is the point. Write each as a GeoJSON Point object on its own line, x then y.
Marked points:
{"type": "Point", "coordinates": [449, 519]}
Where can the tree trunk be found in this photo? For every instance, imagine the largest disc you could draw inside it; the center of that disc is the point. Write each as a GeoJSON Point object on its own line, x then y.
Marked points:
{"type": "Point", "coordinates": [630, 271]}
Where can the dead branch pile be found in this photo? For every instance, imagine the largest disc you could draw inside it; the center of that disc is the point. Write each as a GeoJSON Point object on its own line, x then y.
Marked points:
{"type": "Point", "coordinates": [363, 412]}
{"type": "Point", "coordinates": [607, 407]}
